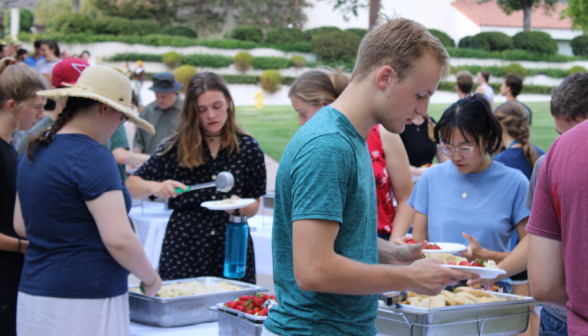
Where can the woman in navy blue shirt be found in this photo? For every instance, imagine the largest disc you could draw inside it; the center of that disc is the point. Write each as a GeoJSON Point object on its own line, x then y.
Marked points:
{"type": "Point", "coordinates": [72, 206]}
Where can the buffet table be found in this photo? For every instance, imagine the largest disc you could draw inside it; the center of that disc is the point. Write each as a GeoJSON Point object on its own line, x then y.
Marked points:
{"type": "Point", "coordinates": [151, 220]}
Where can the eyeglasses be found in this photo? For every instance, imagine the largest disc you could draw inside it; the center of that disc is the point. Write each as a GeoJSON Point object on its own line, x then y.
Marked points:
{"type": "Point", "coordinates": [465, 151]}
{"type": "Point", "coordinates": [123, 118]}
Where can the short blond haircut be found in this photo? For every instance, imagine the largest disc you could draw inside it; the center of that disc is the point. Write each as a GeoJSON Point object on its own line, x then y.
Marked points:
{"type": "Point", "coordinates": [399, 43]}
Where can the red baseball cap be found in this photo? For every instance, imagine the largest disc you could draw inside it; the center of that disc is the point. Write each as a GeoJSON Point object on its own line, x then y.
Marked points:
{"type": "Point", "coordinates": [67, 71]}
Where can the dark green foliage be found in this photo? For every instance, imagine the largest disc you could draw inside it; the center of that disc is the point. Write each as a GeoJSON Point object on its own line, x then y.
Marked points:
{"type": "Point", "coordinates": [444, 38]}
{"type": "Point", "coordinates": [357, 31]}
{"type": "Point", "coordinates": [337, 46]}
{"type": "Point", "coordinates": [265, 63]}
{"type": "Point", "coordinates": [320, 30]}
{"type": "Point", "coordinates": [70, 23]}
{"type": "Point", "coordinates": [179, 31]}
{"type": "Point", "coordinates": [493, 41]}
{"type": "Point", "coordinates": [580, 45]}
{"type": "Point", "coordinates": [535, 41]}
{"type": "Point", "coordinates": [247, 33]}
{"type": "Point", "coordinates": [285, 36]}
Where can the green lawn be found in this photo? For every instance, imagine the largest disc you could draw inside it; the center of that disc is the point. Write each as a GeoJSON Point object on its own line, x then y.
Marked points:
{"type": "Point", "coordinates": [274, 126]}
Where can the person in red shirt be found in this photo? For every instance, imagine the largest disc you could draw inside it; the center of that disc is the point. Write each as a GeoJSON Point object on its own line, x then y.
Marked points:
{"type": "Point", "coordinates": [557, 231]}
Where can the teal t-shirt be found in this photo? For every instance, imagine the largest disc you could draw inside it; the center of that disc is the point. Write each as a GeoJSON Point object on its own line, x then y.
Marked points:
{"type": "Point", "coordinates": [119, 140]}
{"type": "Point", "coordinates": [325, 173]}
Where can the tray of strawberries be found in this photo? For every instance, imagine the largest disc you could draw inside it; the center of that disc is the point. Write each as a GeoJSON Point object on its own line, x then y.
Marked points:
{"type": "Point", "coordinates": [252, 307]}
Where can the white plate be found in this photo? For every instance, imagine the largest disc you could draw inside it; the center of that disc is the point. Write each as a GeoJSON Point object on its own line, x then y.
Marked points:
{"type": "Point", "coordinates": [483, 272]}
{"type": "Point", "coordinates": [450, 248]}
{"type": "Point", "coordinates": [217, 205]}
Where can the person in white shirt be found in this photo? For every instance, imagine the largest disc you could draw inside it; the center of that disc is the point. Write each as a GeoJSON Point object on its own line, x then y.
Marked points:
{"type": "Point", "coordinates": [485, 89]}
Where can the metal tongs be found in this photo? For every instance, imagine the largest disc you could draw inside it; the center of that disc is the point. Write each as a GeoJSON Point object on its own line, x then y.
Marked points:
{"type": "Point", "coordinates": [224, 183]}
{"type": "Point", "coordinates": [393, 298]}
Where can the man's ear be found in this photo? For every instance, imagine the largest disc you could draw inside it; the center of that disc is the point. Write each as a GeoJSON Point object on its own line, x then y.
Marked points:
{"type": "Point", "coordinates": [385, 76]}
{"type": "Point", "coordinates": [11, 105]}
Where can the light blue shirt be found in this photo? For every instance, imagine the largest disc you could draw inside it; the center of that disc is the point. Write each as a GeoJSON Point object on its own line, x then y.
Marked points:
{"type": "Point", "coordinates": [325, 173]}
{"type": "Point", "coordinates": [494, 205]}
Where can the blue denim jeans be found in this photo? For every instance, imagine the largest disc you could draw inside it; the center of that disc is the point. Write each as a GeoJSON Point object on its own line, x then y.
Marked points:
{"type": "Point", "coordinates": [552, 326]}
{"type": "Point", "coordinates": [384, 236]}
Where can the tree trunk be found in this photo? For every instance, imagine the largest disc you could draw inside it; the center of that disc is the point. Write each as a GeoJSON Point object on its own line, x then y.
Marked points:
{"type": "Point", "coordinates": [75, 6]}
{"type": "Point", "coordinates": [230, 16]}
{"type": "Point", "coordinates": [527, 10]}
{"type": "Point", "coordinates": [374, 10]}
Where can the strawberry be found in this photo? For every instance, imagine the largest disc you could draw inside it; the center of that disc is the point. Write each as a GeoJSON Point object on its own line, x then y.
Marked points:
{"type": "Point", "coordinates": [464, 263]}
{"type": "Point", "coordinates": [232, 304]}
{"type": "Point", "coordinates": [250, 312]}
{"type": "Point", "coordinates": [479, 262]}
{"type": "Point", "coordinates": [258, 302]}
{"type": "Point", "coordinates": [475, 263]}
{"type": "Point", "coordinates": [265, 296]}
{"type": "Point", "coordinates": [244, 297]}
{"type": "Point", "coordinates": [256, 309]}
{"type": "Point", "coordinates": [263, 312]}
{"type": "Point", "coordinates": [451, 263]}
{"type": "Point", "coordinates": [240, 308]}
{"type": "Point", "coordinates": [435, 247]}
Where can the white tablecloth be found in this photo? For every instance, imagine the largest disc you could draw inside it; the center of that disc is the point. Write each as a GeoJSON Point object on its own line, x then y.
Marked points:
{"type": "Point", "coordinates": [204, 329]}
{"type": "Point", "coordinates": [151, 222]}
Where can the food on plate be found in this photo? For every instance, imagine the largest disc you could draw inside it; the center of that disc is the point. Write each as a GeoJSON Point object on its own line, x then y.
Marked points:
{"type": "Point", "coordinates": [460, 296]}
{"type": "Point", "coordinates": [226, 201]}
{"type": "Point", "coordinates": [251, 304]}
{"type": "Point", "coordinates": [429, 246]}
{"type": "Point", "coordinates": [450, 259]}
{"type": "Point", "coordinates": [191, 288]}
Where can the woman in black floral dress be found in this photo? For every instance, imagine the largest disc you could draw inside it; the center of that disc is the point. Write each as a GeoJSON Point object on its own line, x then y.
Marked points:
{"type": "Point", "coordinates": [208, 141]}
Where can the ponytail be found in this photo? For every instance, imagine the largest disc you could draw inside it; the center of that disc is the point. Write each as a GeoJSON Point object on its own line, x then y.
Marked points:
{"type": "Point", "coordinates": [73, 107]}
{"type": "Point", "coordinates": [514, 120]}
{"type": "Point", "coordinates": [317, 87]}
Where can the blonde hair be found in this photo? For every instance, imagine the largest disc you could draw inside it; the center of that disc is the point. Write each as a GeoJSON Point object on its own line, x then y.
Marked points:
{"type": "Point", "coordinates": [399, 43]}
{"type": "Point", "coordinates": [189, 136]}
{"type": "Point", "coordinates": [513, 119]}
{"type": "Point", "coordinates": [317, 87]}
{"type": "Point", "coordinates": [19, 82]}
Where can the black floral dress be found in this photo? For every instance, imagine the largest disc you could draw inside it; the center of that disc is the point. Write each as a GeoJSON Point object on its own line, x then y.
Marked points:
{"type": "Point", "coordinates": [194, 243]}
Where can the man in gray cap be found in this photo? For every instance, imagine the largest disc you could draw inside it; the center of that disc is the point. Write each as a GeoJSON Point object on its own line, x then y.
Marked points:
{"type": "Point", "coordinates": [163, 113]}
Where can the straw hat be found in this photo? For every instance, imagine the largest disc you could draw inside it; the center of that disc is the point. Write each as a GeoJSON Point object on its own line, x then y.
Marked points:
{"type": "Point", "coordinates": [105, 85]}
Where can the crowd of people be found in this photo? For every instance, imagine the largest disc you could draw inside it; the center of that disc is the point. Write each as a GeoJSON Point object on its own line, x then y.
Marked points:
{"type": "Point", "coordinates": [344, 189]}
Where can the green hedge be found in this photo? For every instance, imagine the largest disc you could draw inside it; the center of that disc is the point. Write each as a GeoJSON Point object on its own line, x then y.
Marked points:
{"type": "Point", "coordinates": [237, 79]}
{"type": "Point", "coordinates": [535, 41]}
{"type": "Point", "coordinates": [580, 45]}
{"type": "Point", "coordinates": [212, 61]}
{"type": "Point", "coordinates": [511, 55]}
{"type": "Point", "coordinates": [265, 63]}
{"type": "Point", "coordinates": [532, 89]}
{"type": "Point", "coordinates": [445, 39]}
{"type": "Point", "coordinates": [498, 71]}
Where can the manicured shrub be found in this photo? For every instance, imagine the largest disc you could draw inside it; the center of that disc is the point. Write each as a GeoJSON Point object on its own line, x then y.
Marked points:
{"type": "Point", "coordinates": [467, 43]}
{"type": "Point", "coordinates": [357, 31]}
{"type": "Point", "coordinates": [26, 18]}
{"type": "Point", "coordinates": [183, 75]}
{"type": "Point", "coordinates": [535, 41]}
{"type": "Point", "coordinates": [285, 36]}
{"type": "Point", "coordinates": [299, 61]}
{"type": "Point", "coordinates": [243, 61]}
{"type": "Point", "coordinates": [515, 68]}
{"type": "Point", "coordinates": [172, 59]}
{"type": "Point", "coordinates": [493, 41]}
{"type": "Point", "coordinates": [132, 57]}
{"type": "Point", "coordinates": [247, 33]}
{"type": "Point", "coordinates": [444, 38]}
{"type": "Point", "coordinates": [270, 80]}
{"type": "Point", "coordinates": [337, 46]}
{"type": "Point", "coordinates": [144, 27]}
{"type": "Point", "coordinates": [70, 23]}
{"type": "Point", "coordinates": [580, 45]}
{"type": "Point", "coordinates": [179, 31]}
{"type": "Point", "coordinates": [320, 30]}
{"type": "Point", "coordinates": [113, 25]}
{"type": "Point", "coordinates": [293, 46]}
{"type": "Point", "coordinates": [265, 63]}
{"type": "Point", "coordinates": [574, 70]}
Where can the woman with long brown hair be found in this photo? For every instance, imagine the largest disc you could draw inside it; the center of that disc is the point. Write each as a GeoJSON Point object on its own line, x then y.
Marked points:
{"type": "Point", "coordinates": [519, 153]}
{"type": "Point", "coordinates": [208, 141]}
{"type": "Point", "coordinates": [20, 109]}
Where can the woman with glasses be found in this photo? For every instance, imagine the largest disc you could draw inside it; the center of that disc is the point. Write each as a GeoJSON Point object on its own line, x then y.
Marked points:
{"type": "Point", "coordinates": [72, 206]}
{"type": "Point", "coordinates": [471, 199]}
